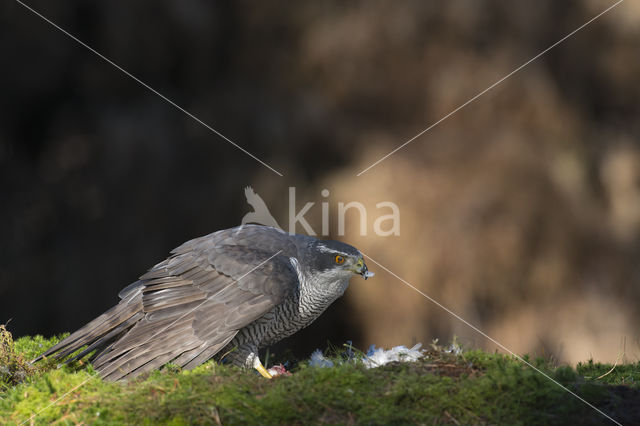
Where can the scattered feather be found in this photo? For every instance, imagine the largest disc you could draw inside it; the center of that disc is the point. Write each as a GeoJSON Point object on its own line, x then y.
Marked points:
{"type": "Point", "coordinates": [377, 357]}
{"type": "Point", "coordinates": [454, 348]}
{"type": "Point", "coordinates": [318, 360]}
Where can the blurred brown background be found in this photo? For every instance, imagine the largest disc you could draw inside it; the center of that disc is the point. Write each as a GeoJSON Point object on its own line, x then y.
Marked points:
{"type": "Point", "coordinates": [521, 212]}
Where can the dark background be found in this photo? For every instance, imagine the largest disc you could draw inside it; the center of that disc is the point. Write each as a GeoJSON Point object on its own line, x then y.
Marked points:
{"type": "Point", "coordinates": [521, 212]}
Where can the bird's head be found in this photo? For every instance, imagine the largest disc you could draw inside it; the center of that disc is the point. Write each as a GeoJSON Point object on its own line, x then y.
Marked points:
{"type": "Point", "coordinates": [340, 259]}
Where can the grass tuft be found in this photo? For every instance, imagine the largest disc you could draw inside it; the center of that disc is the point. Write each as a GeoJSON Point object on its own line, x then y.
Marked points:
{"type": "Point", "coordinates": [14, 368]}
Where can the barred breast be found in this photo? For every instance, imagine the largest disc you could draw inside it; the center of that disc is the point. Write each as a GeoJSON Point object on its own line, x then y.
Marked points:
{"type": "Point", "coordinates": [295, 313]}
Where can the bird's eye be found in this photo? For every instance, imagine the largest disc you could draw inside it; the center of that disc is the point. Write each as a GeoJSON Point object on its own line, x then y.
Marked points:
{"type": "Point", "coordinates": [339, 260]}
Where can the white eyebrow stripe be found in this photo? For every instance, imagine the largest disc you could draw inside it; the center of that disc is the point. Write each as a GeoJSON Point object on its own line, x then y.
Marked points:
{"type": "Point", "coordinates": [296, 266]}
{"type": "Point", "coordinates": [326, 249]}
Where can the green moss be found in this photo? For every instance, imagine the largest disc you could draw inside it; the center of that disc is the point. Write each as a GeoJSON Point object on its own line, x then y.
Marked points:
{"type": "Point", "coordinates": [474, 387]}
{"type": "Point", "coordinates": [31, 347]}
{"type": "Point", "coordinates": [626, 374]}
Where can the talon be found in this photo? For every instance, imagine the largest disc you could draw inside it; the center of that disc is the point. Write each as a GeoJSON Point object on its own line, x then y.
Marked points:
{"type": "Point", "coordinates": [263, 371]}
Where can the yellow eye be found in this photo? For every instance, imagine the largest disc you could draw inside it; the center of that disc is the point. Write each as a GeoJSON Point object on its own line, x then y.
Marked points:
{"type": "Point", "coordinates": [339, 260]}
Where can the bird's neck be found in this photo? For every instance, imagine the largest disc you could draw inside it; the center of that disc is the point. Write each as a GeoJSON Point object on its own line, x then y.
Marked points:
{"type": "Point", "coordinates": [319, 295]}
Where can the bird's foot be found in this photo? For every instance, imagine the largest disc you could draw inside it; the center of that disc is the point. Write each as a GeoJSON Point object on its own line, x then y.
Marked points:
{"type": "Point", "coordinates": [263, 371]}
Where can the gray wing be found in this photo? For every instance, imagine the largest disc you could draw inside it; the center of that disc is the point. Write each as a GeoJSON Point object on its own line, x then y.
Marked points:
{"type": "Point", "coordinates": [190, 306]}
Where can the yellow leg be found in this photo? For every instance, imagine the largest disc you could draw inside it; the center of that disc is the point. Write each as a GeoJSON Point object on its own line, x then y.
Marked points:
{"type": "Point", "coordinates": [258, 366]}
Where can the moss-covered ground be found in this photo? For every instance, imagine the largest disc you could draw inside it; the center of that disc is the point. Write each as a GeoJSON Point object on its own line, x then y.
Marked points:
{"type": "Point", "coordinates": [472, 387]}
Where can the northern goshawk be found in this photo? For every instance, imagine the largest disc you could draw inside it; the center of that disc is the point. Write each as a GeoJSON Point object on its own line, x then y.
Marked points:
{"type": "Point", "coordinates": [228, 293]}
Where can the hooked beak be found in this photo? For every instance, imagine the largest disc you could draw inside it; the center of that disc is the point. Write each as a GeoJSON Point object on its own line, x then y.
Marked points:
{"type": "Point", "coordinates": [361, 268]}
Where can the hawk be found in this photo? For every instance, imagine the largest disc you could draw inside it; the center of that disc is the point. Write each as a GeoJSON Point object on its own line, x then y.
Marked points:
{"type": "Point", "coordinates": [228, 294]}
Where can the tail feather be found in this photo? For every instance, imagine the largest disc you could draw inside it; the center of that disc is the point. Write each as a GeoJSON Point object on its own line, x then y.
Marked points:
{"type": "Point", "coordinates": [108, 339]}
{"type": "Point", "coordinates": [148, 329]}
{"type": "Point", "coordinates": [101, 331]}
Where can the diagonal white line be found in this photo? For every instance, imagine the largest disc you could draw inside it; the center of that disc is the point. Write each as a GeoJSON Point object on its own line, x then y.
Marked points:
{"type": "Point", "coordinates": [518, 357]}
{"type": "Point", "coordinates": [33, 416]}
{"type": "Point", "coordinates": [154, 335]}
{"type": "Point", "coordinates": [490, 87]}
{"type": "Point", "coordinates": [142, 83]}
